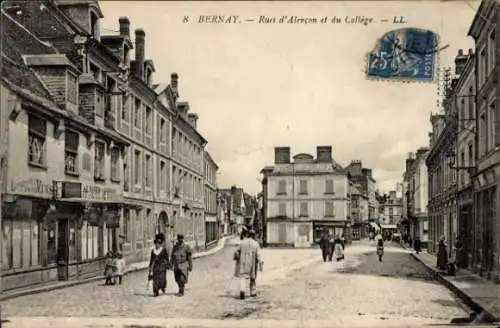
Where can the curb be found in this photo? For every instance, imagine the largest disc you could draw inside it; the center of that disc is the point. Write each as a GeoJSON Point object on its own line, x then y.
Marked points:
{"type": "Point", "coordinates": [463, 295]}
{"type": "Point", "coordinates": [42, 289]}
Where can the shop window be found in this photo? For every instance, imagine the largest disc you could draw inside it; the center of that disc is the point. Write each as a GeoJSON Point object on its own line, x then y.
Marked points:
{"type": "Point", "coordinates": [90, 241]}
{"type": "Point", "coordinates": [99, 160]}
{"type": "Point", "coordinates": [71, 152]}
{"type": "Point", "coordinates": [37, 134]}
{"type": "Point", "coordinates": [20, 243]}
{"type": "Point", "coordinates": [115, 164]}
{"type": "Point", "coordinates": [51, 243]}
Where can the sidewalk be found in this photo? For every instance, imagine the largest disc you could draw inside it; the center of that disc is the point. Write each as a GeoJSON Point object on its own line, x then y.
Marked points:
{"type": "Point", "coordinates": [481, 295]}
{"type": "Point", "coordinates": [133, 267]}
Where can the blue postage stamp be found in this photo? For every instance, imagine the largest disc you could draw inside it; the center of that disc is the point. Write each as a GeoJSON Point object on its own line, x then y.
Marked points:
{"type": "Point", "coordinates": [407, 54]}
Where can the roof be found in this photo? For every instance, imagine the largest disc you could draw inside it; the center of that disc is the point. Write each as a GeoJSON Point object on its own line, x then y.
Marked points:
{"type": "Point", "coordinates": [160, 88]}
{"type": "Point", "coordinates": [210, 159]}
{"type": "Point", "coordinates": [47, 60]}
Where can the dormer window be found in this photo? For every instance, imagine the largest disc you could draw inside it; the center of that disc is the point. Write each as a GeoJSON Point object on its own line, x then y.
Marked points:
{"type": "Point", "coordinates": [94, 25]}
{"type": "Point", "coordinates": [126, 56]}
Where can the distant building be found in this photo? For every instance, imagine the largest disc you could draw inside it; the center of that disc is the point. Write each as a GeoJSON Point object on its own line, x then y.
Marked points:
{"type": "Point", "coordinates": [236, 208]}
{"type": "Point", "coordinates": [210, 176]}
{"type": "Point", "coordinates": [359, 212]}
{"type": "Point", "coordinates": [391, 210]}
{"type": "Point", "coordinates": [304, 197]}
{"type": "Point", "coordinates": [367, 185]}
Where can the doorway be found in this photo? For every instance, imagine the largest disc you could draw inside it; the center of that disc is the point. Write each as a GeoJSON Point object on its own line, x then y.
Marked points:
{"type": "Point", "coordinates": [62, 249]}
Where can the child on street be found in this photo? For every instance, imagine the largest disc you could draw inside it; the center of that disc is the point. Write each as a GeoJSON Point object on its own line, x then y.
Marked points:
{"type": "Point", "coordinates": [120, 267]}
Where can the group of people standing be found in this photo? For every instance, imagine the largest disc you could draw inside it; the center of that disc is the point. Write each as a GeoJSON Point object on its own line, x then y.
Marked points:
{"type": "Point", "coordinates": [179, 260]}
{"type": "Point", "coordinates": [457, 257]}
{"type": "Point", "coordinates": [330, 246]}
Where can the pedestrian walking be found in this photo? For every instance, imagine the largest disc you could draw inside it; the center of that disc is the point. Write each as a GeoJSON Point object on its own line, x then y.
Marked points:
{"type": "Point", "coordinates": [380, 249]}
{"type": "Point", "coordinates": [417, 245]}
{"type": "Point", "coordinates": [331, 246]}
{"type": "Point", "coordinates": [158, 265]}
{"type": "Point", "coordinates": [120, 267]}
{"type": "Point", "coordinates": [325, 246]}
{"type": "Point", "coordinates": [247, 258]}
{"type": "Point", "coordinates": [442, 254]}
{"type": "Point", "coordinates": [182, 263]}
{"type": "Point", "coordinates": [338, 247]}
{"type": "Point", "coordinates": [109, 268]}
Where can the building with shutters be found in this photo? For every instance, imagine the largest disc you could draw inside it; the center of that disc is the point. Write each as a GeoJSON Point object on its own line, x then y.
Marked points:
{"type": "Point", "coordinates": [303, 197]}
{"type": "Point", "coordinates": [111, 159]}
{"type": "Point", "coordinates": [212, 219]}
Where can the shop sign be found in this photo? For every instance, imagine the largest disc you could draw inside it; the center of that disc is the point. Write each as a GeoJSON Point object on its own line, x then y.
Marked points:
{"type": "Point", "coordinates": [99, 193]}
{"type": "Point", "coordinates": [32, 187]}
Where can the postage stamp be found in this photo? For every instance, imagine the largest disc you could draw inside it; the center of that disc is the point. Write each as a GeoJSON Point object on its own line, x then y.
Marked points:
{"type": "Point", "coordinates": [408, 54]}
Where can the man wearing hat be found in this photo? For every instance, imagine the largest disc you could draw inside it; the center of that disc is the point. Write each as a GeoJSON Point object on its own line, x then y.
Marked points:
{"type": "Point", "coordinates": [247, 259]}
{"type": "Point", "coordinates": [182, 263]}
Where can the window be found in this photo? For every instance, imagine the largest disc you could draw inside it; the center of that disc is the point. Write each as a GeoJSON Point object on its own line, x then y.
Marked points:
{"type": "Point", "coordinates": [110, 83]}
{"type": "Point", "coordinates": [163, 177]}
{"type": "Point", "coordinates": [162, 131]}
{"type": "Point", "coordinates": [94, 25]}
{"type": "Point", "coordinates": [71, 142]}
{"type": "Point", "coordinates": [282, 187]}
{"type": "Point", "coordinates": [470, 100]}
{"type": "Point", "coordinates": [482, 135]}
{"type": "Point", "coordinates": [91, 240]}
{"type": "Point", "coordinates": [99, 160]}
{"type": "Point", "coordinates": [137, 167]}
{"type": "Point", "coordinates": [115, 164]}
{"type": "Point", "coordinates": [491, 126]}
{"type": "Point", "coordinates": [149, 121]}
{"type": "Point", "coordinates": [37, 132]}
{"type": "Point", "coordinates": [303, 187]}
{"type": "Point", "coordinates": [20, 247]}
{"type": "Point", "coordinates": [329, 209]}
{"type": "Point", "coordinates": [482, 66]}
{"type": "Point", "coordinates": [126, 173]}
{"type": "Point", "coordinates": [72, 89]}
{"type": "Point", "coordinates": [174, 141]}
{"type": "Point", "coordinates": [329, 187]}
{"type": "Point", "coordinates": [147, 172]}
{"type": "Point", "coordinates": [100, 102]}
{"type": "Point", "coordinates": [491, 52]}
{"type": "Point", "coordinates": [125, 104]}
{"type": "Point", "coordinates": [137, 113]}
{"type": "Point", "coordinates": [303, 210]}
{"type": "Point", "coordinates": [282, 209]}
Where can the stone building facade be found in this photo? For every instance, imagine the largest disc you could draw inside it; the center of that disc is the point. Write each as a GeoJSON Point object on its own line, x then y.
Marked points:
{"type": "Point", "coordinates": [304, 197]}
{"type": "Point", "coordinates": [111, 158]}
{"type": "Point", "coordinates": [212, 219]}
{"type": "Point", "coordinates": [485, 26]}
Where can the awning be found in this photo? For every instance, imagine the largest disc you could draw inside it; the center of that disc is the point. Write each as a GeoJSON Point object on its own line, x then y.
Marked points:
{"type": "Point", "coordinates": [374, 225]}
{"type": "Point", "coordinates": [388, 226]}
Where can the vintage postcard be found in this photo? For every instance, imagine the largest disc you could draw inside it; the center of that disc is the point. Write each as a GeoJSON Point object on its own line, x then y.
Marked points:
{"type": "Point", "coordinates": [203, 164]}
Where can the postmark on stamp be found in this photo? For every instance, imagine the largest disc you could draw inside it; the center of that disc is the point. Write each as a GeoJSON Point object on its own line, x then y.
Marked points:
{"type": "Point", "coordinates": [407, 54]}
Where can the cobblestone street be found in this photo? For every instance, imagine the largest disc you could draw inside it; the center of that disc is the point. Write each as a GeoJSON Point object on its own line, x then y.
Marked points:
{"type": "Point", "coordinates": [295, 285]}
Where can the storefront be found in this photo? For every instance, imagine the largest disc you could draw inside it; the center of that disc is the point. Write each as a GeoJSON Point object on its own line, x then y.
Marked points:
{"type": "Point", "coordinates": [63, 234]}
{"type": "Point", "coordinates": [211, 229]}
{"type": "Point", "coordinates": [335, 228]}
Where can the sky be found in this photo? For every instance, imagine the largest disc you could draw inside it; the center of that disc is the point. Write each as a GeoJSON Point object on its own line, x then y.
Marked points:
{"type": "Point", "coordinates": [258, 86]}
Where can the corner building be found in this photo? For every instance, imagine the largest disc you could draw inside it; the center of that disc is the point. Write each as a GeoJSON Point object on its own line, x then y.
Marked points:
{"type": "Point", "coordinates": [304, 197]}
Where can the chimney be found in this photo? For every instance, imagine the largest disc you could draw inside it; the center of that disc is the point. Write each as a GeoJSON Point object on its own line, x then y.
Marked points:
{"type": "Point", "coordinates": [471, 52]}
{"type": "Point", "coordinates": [193, 119]}
{"type": "Point", "coordinates": [139, 53]}
{"type": "Point", "coordinates": [174, 82]}
{"type": "Point", "coordinates": [324, 154]}
{"type": "Point", "coordinates": [460, 61]}
{"type": "Point", "coordinates": [355, 167]}
{"type": "Point", "coordinates": [281, 155]}
{"type": "Point", "coordinates": [422, 151]}
{"type": "Point", "coordinates": [124, 26]}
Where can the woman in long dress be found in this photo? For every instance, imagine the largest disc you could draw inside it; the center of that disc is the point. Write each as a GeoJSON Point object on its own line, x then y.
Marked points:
{"type": "Point", "coordinates": [158, 265]}
{"type": "Point", "coordinates": [338, 248]}
{"type": "Point", "coordinates": [380, 249]}
{"type": "Point", "coordinates": [442, 255]}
